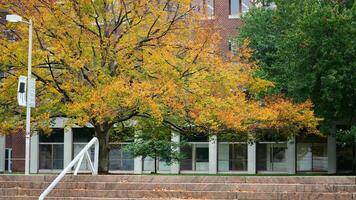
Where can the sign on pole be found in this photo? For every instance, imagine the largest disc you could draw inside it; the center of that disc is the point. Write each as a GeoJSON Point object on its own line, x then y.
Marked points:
{"type": "Point", "coordinates": [32, 92]}
{"type": "Point", "coordinates": [21, 91]}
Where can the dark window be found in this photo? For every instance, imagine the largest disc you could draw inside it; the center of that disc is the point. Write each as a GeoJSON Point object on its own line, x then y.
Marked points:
{"type": "Point", "coordinates": [55, 136]}
{"type": "Point", "coordinates": [83, 134]}
{"type": "Point", "coordinates": [202, 154]}
{"type": "Point", "coordinates": [186, 163]}
{"type": "Point", "coordinates": [238, 157]}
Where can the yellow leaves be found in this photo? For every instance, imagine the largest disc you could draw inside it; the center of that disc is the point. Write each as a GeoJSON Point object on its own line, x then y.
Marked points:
{"type": "Point", "coordinates": [109, 60]}
{"type": "Point", "coordinates": [260, 85]}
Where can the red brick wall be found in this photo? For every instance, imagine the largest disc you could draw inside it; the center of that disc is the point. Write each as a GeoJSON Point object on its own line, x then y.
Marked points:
{"type": "Point", "coordinates": [16, 141]}
{"type": "Point", "coordinates": [227, 27]}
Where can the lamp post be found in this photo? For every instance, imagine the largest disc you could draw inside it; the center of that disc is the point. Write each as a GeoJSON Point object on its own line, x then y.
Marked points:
{"type": "Point", "coordinates": [16, 18]}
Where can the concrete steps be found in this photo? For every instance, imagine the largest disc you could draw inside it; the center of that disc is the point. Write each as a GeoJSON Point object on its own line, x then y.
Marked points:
{"type": "Point", "coordinates": [180, 187]}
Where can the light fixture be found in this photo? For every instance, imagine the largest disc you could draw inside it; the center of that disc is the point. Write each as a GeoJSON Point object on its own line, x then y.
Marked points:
{"type": "Point", "coordinates": [13, 18]}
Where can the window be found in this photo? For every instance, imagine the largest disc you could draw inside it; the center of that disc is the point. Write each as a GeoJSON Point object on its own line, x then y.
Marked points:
{"type": "Point", "coordinates": [205, 7]}
{"type": "Point", "coordinates": [237, 7]}
{"type": "Point", "coordinates": [312, 157]}
{"type": "Point", "coordinates": [8, 159]}
{"type": "Point", "coordinates": [186, 163]}
{"type": "Point", "coordinates": [81, 137]}
{"type": "Point", "coordinates": [232, 156]}
{"type": "Point", "coordinates": [233, 46]}
{"type": "Point", "coordinates": [202, 154]}
{"type": "Point", "coordinates": [51, 150]}
{"type": "Point", "coordinates": [51, 156]}
{"type": "Point", "coordinates": [271, 156]}
{"type": "Point", "coordinates": [209, 5]}
{"type": "Point", "coordinates": [196, 157]}
{"type": "Point", "coordinates": [120, 159]}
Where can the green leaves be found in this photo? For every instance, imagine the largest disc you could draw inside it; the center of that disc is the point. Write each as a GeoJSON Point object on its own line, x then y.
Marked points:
{"type": "Point", "coordinates": [308, 48]}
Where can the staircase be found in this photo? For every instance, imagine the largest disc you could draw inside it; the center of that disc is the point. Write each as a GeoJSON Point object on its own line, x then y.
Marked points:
{"type": "Point", "coordinates": [109, 187]}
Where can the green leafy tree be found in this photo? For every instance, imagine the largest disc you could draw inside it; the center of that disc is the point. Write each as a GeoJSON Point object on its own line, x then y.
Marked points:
{"type": "Point", "coordinates": [154, 141]}
{"type": "Point", "coordinates": [308, 49]}
{"type": "Point", "coordinates": [346, 137]}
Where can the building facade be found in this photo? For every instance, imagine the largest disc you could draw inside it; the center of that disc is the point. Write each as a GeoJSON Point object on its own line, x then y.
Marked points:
{"type": "Point", "coordinates": [51, 153]}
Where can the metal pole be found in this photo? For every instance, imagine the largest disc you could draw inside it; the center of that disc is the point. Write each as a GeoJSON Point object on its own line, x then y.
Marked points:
{"type": "Point", "coordinates": [28, 108]}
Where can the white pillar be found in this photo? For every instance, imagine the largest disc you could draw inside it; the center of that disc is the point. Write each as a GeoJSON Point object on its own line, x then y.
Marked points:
{"type": "Point", "coordinates": [68, 146]}
{"type": "Point", "coordinates": [291, 155]}
{"type": "Point", "coordinates": [34, 153]}
{"type": "Point", "coordinates": [213, 154]}
{"type": "Point", "coordinates": [138, 165]}
{"type": "Point", "coordinates": [175, 167]}
{"type": "Point", "coordinates": [138, 162]}
{"type": "Point", "coordinates": [2, 152]}
{"type": "Point", "coordinates": [251, 158]}
{"type": "Point", "coordinates": [331, 155]}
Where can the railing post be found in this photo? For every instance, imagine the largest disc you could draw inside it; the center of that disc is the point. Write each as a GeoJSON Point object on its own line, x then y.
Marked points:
{"type": "Point", "coordinates": [96, 158]}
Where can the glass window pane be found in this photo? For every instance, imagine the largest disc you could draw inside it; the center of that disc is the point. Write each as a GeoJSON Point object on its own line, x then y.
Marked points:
{"type": "Point", "coordinates": [148, 164]}
{"type": "Point", "coordinates": [202, 157]}
{"type": "Point", "coordinates": [210, 8]}
{"type": "Point", "coordinates": [45, 156]}
{"type": "Point", "coordinates": [223, 157]}
{"type": "Point", "coordinates": [8, 156]}
{"type": "Point", "coordinates": [320, 157]}
{"type": "Point", "coordinates": [127, 164]}
{"type": "Point", "coordinates": [272, 157]}
{"type": "Point", "coordinates": [304, 157]}
{"type": "Point", "coordinates": [234, 7]}
{"type": "Point", "coordinates": [120, 159]}
{"type": "Point", "coordinates": [83, 134]}
{"type": "Point", "coordinates": [115, 162]}
{"type": "Point", "coordinates": [162, 166]}
{"type": "Point", "coordinates": [186, 163]}
{"type": "Point", "coordinates": [57, 135]}
{"type": "Point", "coordinates": [245, 5]}
{"type": "Point", "coordinates": [77, 147]}
{"type": "Point", "coordinates": [202, 154]}
{"type": "Point", "coordinates": [238, 157]}
{"type": "Point", "coordinates": [58, 151]}
{"type": "Point", "coordinates": [278, 160]}
{"type": "Point", "coordinates": [261, 157]}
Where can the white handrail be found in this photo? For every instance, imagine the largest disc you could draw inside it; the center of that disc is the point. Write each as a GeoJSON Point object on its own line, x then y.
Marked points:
{"type": "Point", "coordinates": [83, 153]}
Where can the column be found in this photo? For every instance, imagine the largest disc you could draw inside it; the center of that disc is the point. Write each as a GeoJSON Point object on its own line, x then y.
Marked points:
{"type": "Point", "coordinates": [34, 152]}
{"type": "Point", "coordinates": [331, 154]}
{"type": "Point", "coordinates": [68, 146]}
{"type": "Point", "coordinates": [175, 167]}
{"type": "Point", "coordinates": [251, 158]}
{"type": "Point", "coordinates": [2, 152]}
{"type": "Point", "coordinates": [291, 155]}
{"type": "Point", "coordinates": [138, 165]}
{"type": "Point", "coordinates": [138, 162]}
{"type": "Point", "coordinates": [213, 154]}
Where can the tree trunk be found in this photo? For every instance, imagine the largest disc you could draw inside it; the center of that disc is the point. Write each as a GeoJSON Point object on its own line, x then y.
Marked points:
{"type": "Point", "coordinates": [103, 136]}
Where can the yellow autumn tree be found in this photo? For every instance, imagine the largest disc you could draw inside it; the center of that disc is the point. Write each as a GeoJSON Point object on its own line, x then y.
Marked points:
{"type": "Point", "coordinates": [105, 62]}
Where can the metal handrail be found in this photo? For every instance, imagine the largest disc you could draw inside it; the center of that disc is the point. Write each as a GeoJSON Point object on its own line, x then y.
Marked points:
{"type": "Point", "coordinates": [78, 159]}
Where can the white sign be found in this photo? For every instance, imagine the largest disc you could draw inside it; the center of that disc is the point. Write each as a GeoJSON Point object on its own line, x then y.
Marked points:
{"type": "Point", "coordinates": [32, 92]}
{"type": "Point", "coordinates": [21, 91]}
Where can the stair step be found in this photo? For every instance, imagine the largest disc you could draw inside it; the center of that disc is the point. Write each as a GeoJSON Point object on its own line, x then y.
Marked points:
{"type": "Point", "coordinates": [189, 179]}
{"type": "Point", "coordinates": [260, 187]}
{"type": "Point", "coordinates": [122, 193]}
{"type": "Point", "coordinates": [240, 196]}
{"type": "Point", "coordinates": [108, 187]}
